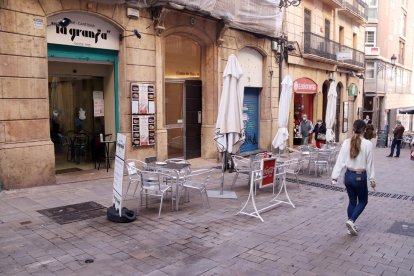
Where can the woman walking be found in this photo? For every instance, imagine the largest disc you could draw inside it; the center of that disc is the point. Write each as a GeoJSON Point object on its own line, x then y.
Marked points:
{"type": "Point", "coordinates": [356, 155]}
{"type": "Point", "coordinates": [320, 133]}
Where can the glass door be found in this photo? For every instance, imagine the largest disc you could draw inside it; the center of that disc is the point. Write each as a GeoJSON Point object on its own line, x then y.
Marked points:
{"type": "Point", "coordinates": [174, 118]}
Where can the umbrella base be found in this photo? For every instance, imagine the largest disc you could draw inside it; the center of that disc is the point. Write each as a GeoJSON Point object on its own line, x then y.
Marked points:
{"type": "Point", "coordinates": [226, 194]}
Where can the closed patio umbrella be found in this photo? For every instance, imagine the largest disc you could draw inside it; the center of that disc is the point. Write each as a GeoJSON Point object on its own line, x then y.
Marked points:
{"type": "Point", "coordinates": [229, 127]}
{"type": "Point", "coordinates": [331, 112]}
{"type": "Point", "coordinates": [283, 120]}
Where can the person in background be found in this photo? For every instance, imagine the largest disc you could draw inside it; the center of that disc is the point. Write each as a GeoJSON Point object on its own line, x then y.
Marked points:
{"type": "Point", "coordinates": [356, 155]}
{"type": "Point", "coordinates": [320, 133]}
{"type": "Point", "coordinates": [398, 136]}
{"type": "Point", "coordinates": [367, 120]}
{"type": "Point", "coordinates": [369, 132]}
{"type": "Point", "coordinates": [305, 129]}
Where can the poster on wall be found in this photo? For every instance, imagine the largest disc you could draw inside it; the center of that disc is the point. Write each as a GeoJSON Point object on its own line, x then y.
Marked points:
{"type": "Point", "coordinates": [143, 130]}
{"type": "Point", "coordinates": [142, 98]}
{"type": "Point", "coordinates": [98, 104]}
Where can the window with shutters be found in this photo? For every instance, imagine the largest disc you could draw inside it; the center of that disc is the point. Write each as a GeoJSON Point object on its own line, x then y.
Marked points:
{"type": "Point", "coordinates": [401, 54]}
{"type": "Point", "coordinates": [370, 37]}
{"type": "Point", "coordinates": [307, 21]}
{"type": "Point", "coordinates": [327, 29]}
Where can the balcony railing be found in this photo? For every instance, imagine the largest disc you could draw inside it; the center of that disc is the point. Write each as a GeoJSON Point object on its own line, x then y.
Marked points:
{"type": "Point", "coordinates": [314, 44]}
{"type": "Point", "coordinates": [358, 7]}
{"type": "Point", "coordinates": [320, 46]}
{"type": "Point", "coordinates": [358, 57]}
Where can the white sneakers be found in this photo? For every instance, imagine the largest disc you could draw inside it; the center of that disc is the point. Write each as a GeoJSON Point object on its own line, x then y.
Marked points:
{"type": "Point", "coordinates": [352, 229]}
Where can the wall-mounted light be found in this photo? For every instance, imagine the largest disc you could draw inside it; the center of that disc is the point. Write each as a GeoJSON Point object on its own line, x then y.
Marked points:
{"type": "Point", "coordinates": [64, 22]}
{"type": "Point", "coordinates": [135, 33]}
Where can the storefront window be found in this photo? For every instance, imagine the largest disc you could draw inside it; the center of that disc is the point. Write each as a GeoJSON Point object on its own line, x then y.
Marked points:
{"type": "Point", "coordinates": [182, 58]}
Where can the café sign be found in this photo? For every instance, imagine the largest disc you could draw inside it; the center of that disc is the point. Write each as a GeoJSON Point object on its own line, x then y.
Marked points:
{"type": "Point", "coordinates": [353, 90]}
{"type": "Point", "coordinates": [85, 30]}
{"type": "Point", "coordinates": [305, 86]}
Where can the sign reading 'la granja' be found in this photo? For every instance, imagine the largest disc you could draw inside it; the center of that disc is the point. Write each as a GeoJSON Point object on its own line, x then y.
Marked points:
{"type": "Point", "coordinates": [85, 30]}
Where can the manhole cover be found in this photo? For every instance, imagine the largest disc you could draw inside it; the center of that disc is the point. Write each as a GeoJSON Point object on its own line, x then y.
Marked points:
{"type": "Point", "coordinates": [75, 212]}
{"type": "Point", "coordinates": [402, 228]}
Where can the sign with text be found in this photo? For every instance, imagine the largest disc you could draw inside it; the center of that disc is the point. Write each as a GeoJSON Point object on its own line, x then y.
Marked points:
{"type": "Point", "coordinates": [84, 30]}
{"type": "Point", "coordinates": [268, 172]}
{"type": "Point", "coordinates": [305, 86]}
{"type": "Point", "coordinates": [343, 55]}
{"type": "Point", "coordinates": [98, 104]}
{"type": "Point", "coordinates": [119, 172]}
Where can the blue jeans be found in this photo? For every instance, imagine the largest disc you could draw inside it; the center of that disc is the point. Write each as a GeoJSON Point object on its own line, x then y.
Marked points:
{"type": "Point", "coordinates": [396, 142]}
{"type": "Point", "coordinates": [305, 140]}
{"type": "Point", "coordinates": [357, 189]}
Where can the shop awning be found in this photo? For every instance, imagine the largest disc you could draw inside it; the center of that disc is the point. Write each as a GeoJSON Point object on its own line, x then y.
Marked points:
{"type": "Point", "coordinates": [409, 110]}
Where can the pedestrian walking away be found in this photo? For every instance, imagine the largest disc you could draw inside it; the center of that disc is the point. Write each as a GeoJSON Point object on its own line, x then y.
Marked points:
{"type": "Point", "coordinates": [320, 133]}
{"type": "Point", "coordinates": [356, 155]}
{"type": "Point", "coordinates": [305, 129]}
{"type": "Point", "coordinates": [398, 136]}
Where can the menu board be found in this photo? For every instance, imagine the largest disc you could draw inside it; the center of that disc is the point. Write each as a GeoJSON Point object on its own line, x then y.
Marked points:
{"type": "Point", "coordinates": [143, 113]}
{"type": "Point", "coordinates": [143, 130]}
{"type": "Point", "coordinates": [142, 98]}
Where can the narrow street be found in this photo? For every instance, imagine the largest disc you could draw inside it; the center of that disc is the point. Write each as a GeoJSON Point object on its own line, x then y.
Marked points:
{"type": "Point", "coordinates": [308, 240]}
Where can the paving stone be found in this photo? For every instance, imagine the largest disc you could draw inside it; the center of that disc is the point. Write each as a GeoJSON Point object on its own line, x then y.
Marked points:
{"type": "Point", "coordinates": [308, 240]}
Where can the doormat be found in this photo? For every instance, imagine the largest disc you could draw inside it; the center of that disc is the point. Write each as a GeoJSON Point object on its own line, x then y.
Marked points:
{"type": "Point", "coordinates": [68, 170]}
{"type": "Point", "coordinates": [75, 212]}
{"type": "Point", "coordinates": [402, 228]}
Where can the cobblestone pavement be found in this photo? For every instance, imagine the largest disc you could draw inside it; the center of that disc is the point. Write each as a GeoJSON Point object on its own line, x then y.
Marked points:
{"type": "Point", "coordinates": [308, 240]}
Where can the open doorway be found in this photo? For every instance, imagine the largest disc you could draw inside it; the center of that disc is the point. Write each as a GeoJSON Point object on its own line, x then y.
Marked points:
{"type": "Point", "coordinates": [183, 97]}
{"type": "Point", "coordinates": [81, 107]}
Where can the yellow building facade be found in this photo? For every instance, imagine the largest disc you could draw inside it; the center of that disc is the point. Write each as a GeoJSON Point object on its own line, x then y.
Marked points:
{"type": "Point", "coordinates": [50, 93]}
{"type": "Point", "coordinates": [327, 39]}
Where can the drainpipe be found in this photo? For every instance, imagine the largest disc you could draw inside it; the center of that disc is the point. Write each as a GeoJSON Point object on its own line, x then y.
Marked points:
{"type": "Point", "coordinates": [270, 100]}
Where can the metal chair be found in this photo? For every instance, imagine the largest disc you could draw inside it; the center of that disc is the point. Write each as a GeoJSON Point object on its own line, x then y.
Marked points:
{"type": "Point", "coordinates": [241, 165]}
{"type": "Point", "coordinates": [312, 157]}
{"type": "Point", "coordinates": [153, 184]}
{"type": "Point", "coordinates": [81, 145]}
{"type": "Point", "coordinates": [198, 180]}
{"type": "Point", "coordinates": [293, 167]}
{"type": "Point", "coordinates": [322, 160]}
{"type": "Point", "coordinates": [134, 166]}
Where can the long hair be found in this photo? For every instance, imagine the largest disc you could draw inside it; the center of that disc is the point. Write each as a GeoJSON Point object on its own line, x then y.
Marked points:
{"type": "Point", "coordinates": [369, 132]}
{"type": "Point", "coordinates": [359, 128]}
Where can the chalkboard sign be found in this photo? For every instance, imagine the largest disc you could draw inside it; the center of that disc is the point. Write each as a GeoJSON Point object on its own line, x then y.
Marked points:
{"type": "Point", "coordinates": [382, 139]}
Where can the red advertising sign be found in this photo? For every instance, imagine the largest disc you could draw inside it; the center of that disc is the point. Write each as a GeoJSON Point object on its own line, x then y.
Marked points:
{"type": "Point", "coordinates": [268, 172]}
{"type": "Point", "coordinates": [305, 86]}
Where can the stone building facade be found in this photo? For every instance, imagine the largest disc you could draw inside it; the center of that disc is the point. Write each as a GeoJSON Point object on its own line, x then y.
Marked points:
{"type": "Point", "coordinates": [389, 93]}
{"type": "Point", "coordinates": [320, 32]}
{"type": "Point", "coordinates": [36, 75]}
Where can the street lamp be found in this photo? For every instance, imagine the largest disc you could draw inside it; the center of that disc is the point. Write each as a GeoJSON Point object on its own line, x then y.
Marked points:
{"type": "Point", "coordinates": [393, 60]}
